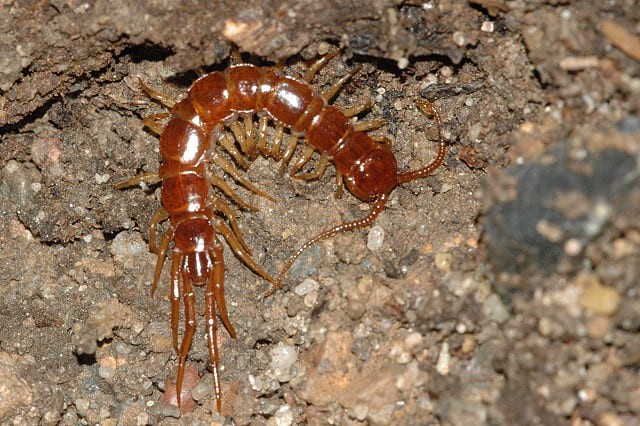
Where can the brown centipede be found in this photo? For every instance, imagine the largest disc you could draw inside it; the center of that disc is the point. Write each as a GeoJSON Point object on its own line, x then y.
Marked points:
{"type": "Point", "coordinates": [221, 107]}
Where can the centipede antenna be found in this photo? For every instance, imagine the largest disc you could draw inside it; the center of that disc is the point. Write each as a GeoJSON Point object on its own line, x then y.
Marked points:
{"type": "Point", "coordinates": [318, 65]}
{"type": "Point", "coordinates": [331, 91]}
{"type": "Point", "coordinates": [427, 108]}
{"type": "Point", "coordinates": [164, 99]}
{"type": "Point", "coordinates": [377, 208]}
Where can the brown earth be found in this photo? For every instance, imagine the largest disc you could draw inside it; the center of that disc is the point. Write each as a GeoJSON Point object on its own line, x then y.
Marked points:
{"type": "Point", "coordinates": [505, 289]}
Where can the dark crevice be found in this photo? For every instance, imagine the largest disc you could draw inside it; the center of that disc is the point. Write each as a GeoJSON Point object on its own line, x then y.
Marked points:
{"type": "Point", "coordinates": [146, 52]}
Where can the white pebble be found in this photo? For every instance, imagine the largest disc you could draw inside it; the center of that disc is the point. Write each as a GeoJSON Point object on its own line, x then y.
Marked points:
{"type": "Point", "coordinates": [106, 372]}
{"type": "Point", "coordinates": [487, 27]}
{"type": "Point", "coordinates": [282, 417]}
{"type": "Point", "coordinates": [444, 360]}
{"type": "Point", "coordinates": [128, 244]}
{"type": "Point", "coordinates": [282, 359]}
{"type": "Point", "coordinates": [102, 178]}
{"type": "Point", "coordinates": [375, 238]}
{"type": "Point", "coordinates": [306, 287]}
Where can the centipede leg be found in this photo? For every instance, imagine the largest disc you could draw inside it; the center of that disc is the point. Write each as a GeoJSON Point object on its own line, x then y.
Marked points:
{"type": "Point", "coordinates": [220, 183]}
{"type": "Point", "coordinates": [212, 327]}
{"type": "Point", "coordinates": [354, 110]}
{"type": "Point", "coordinates": [235, 174]}
{"type": "Point", "coordinates": [278, 137]}
{"type": "Point", "coordinates": [317, 174]}
{"type": "Point", "coordinates": [214, 296]}
{"type": "Point", "coordinates": [304, 159]}
{"type": "Point", "coordinates": [246, 143]}
{"type": "Point", "coordinates": [262, 136]}
{"type": "Point", "coordinates": [158, 217]}
{"type": "Point", "coordinates": [249, 135]}
{"type": "Point", "coordinates": [152, 121]}
{"type": "Point", "coordinates": [292, 143]}
{"type": "Point", "coordinates": [176, 264]}
{"type": "Point", "coordinates": [218, 287]}
{"type": "Point", "coordinates": [245, 257]}
{"type": "Point", "coordinates": [222, 207]}
{"type": "Point", "coordinates": [189, 328]}
{"type": "Point", "coordinates": [149, 178]}
{"type": "Point", "coordinates": [165, 100]}
{"type": "Point", "coordinates": [339, 185]}
{"type": "Point", "coordinates": [366, 125]}
{"type": "Point", "coordinates": [228, 143]}
{"type": "Point", "coordinates": [162, 255]}
{"type": "Point", "coordinates": [318, 65]}
{"type": "Point", "coordinates": [329, 93]}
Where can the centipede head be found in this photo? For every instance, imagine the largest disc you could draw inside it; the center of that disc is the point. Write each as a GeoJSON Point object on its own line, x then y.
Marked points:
{"type": "Point", "coordinates": [375, 174]}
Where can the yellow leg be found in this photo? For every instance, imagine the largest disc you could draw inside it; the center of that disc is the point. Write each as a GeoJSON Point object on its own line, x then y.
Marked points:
{"type": "Point", "coordinates": [339, 185]}
{"type": "Point", "coordinates": [149, 178]}
{"type": "Point", "coordinates": [222, 207]}
{"type": "Point", "coordinates": [331, 91]}
{"type": "Point", "coordinates": [292, 142]}
{"type": "Point", "coordinates": [158, 217]}
{"type": "Point", "coordinates": [162, 256]}
{"type": "Point", "coordinates": [352, 111]}
{"type": "Point", "coordinates": [220, 183]}
{"type": "Point", "coordinates": [274, 152]}
{"type": "Point", "coordinates": [366, 125]}
{"type": "Point", "coordinates": [152, 122]}
{"type": "Point", "coordinates": [229, 144]}
{"type": "Point", "coordinates": [320, 169]}
{"type": "Point", "coordinates": [165, 100]}
{"type": "Point", "coordinates": [262, 135]}
{"type": "Point", "coordinates": [235, 174]}
{"type": "Point", "coordinates": [246, 143]}
{"type": "Point", "coordinates": [306, 156]}
{"type": "Point", "coordinates": [317, 66]}
{"type": "Point", "coordinates": [245, 257]}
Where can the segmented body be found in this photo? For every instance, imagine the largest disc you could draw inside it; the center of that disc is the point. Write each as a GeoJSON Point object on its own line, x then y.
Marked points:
{"type": "Point", "coordinates": [215, 102]}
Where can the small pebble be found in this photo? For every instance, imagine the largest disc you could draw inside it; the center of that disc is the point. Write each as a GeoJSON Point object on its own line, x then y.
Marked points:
{"type": "Point", "coordinates": [360, 412]}
{"type": "Point", "coordinates": [306, 287]}
{"type": "Point", "coordinates": [595, 297]}
{"type": "Point", "coordinates": [444, 360]}
{"type": "Point", "coordinates": [82, 405]}
{"type": "Point", "coordinates": [102, 178]}
{"type": "Point", "coordinates": [443, 261]}
{"type": "Point", "coordinates": [413, 341]}
{"type": "Point", "coordinates": [375, 238]}
{"type": "Point", "coordinates": [201, 391]}
{"type": "Point", "coordinates": [106, 372]}
{"type": "Point", "coordinates": [128, 244]}
{"type": "Point", "coordinates": [142, 419]}
{"type": "Point", "coordinates": [458, 38]}
{"type": "Point", "coordinates": [573, 247]}
{"type": "Point", "coordinates": [282, 417]}
{"type": "Point", "coordinates": [190, 380]}
{"type": "Point", "coordinates": [282, 359]}
{"type": "Point", "coordinates": [487, 27]}
{"type": "Point", "coordinates": [494, 309]}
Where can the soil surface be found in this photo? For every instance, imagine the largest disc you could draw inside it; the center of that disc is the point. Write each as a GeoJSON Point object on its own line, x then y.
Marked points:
{"type": "Point", "coordinates": [502, 290]}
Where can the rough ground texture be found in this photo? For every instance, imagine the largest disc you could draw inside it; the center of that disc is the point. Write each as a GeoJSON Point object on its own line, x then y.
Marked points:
{"type": "Point", "coordinates": [503, 290]}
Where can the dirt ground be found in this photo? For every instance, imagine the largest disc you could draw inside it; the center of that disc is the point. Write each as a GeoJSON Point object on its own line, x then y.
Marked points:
{"type": "Point", "coordinates": [502, 290]}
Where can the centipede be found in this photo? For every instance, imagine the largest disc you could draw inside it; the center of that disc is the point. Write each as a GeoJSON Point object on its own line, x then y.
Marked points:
{"type": "Point", "coordinates": [226, 119]}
